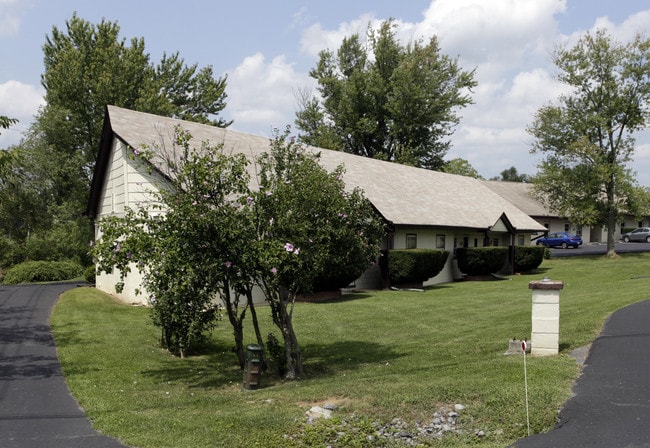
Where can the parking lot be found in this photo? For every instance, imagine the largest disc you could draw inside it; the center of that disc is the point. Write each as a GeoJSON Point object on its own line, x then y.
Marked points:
{"type": "Point", "coordinates": [600, 248]}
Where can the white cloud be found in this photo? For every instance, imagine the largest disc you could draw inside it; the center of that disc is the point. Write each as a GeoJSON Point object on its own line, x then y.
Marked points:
{"type": "Point", "coordinates": [508, 42]}
{"type": "Point", "coordinates": [504, 32]}
{"type": "Point", "coordinates": [315, 39]}
{"type": "Point", "coordinates": [10, 16]}
{"type": "Point", "coordinates": [261, 94]}
{"type": "Point", "coordinates": [20, 101]}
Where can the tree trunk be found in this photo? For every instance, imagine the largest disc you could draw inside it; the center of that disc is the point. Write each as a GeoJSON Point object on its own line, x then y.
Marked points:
{"type": "Point", "coordinates": [237, 326]}
{"type": "Point", "coordinates": [278, 300]}
{"type": "Point", "coordinates": [256, 325]}
{"type": "Point", "coordinates": [612, 216]}
{"type": "Point", "coordinates": [292, 348]}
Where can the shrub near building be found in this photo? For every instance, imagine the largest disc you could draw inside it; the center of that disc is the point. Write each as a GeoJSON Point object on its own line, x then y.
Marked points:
{"type": "Point", "coordinates": [490, 260]}
{"type": "Point", "coordinates": [528, 258]}
{"type": "Point", "coordinates": [412, 266]}
{"type": "Point", "coordinates": [481, 260]}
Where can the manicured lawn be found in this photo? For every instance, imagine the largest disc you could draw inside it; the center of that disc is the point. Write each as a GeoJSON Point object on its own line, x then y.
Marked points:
{"type": "Point", "coordinates": [378, 355]}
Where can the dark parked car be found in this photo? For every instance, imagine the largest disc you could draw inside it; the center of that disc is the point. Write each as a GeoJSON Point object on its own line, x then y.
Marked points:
{"type": "Point", "coordinates": [560, 239]}
{"type": "Point", "coordinates": [640, 234]}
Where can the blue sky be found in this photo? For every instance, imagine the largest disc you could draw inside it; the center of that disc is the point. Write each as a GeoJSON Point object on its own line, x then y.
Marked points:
{"type": "Point", "coordinates": [267, 48]}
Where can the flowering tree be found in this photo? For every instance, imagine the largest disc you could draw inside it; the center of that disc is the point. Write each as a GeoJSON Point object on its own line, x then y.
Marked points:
{"type": "Point", "coordinates": [190, 247]}
{"type": "Point", "coordinates": [213, 237]}
{"type": "Point", "coordinates": [309, 229]}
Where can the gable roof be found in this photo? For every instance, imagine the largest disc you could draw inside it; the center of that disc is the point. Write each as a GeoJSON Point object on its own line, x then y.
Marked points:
{"type": "Point", "coordinates": [403, 195]}
{"type": "Point", "coordinates": [521, 195]}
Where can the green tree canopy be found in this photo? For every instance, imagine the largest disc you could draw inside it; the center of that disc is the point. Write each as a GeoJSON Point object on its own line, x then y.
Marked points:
{"type": "Point", "coordinates": [586, 139]}
{"type": "Point", "coordinates": [461, 167]}
{"type": "Point", "coordinates": [88, 66]}
{"type": "Point", "coordinates": [385, 100]}
{"type": "Point", "coordinates": [511, 175]}
{"type": "Point", "coordinates": [5, 121]}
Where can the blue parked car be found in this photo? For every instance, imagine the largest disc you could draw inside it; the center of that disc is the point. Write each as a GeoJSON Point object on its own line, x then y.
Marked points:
{"type": "Point", "coordinates": [560, 239]}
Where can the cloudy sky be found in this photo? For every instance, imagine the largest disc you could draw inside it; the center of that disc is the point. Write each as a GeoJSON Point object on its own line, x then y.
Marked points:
{"type": "Point", "coordinates": [266, 48]}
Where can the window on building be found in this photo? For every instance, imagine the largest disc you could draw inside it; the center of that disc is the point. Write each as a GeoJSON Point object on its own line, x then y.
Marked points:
{"type": "Point", "coordinates": [520, 240]}
{"type": "Point", "coordinates": [567, 226]}
{"type": "Point", "coordinates": [495, 242]}
{"type": "Point", "coordinates": [475, 242]}
{"type": "Point", "coordinates": [465, 241]}
{"type": "Point", "coordinates": [411, 241]}
{"type": "Point", "coordinates": [440, 241]}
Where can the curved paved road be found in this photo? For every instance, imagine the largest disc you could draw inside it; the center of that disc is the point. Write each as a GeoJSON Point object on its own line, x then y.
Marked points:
{"type": "Point", "coordinates": [36, 408]}
{"type": "Point", "coordinates": [611, 405]}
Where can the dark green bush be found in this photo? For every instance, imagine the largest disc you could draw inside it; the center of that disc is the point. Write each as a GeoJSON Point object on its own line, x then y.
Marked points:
{"type": "Point", "coordinates": [42, 271]}
{"type": "Point", "coordinates": [90, 273]}
{"type": "Point", "coordinates": [276, 358]}
{"type": "Point", "coordinates": [403, 266]}
{"type": "Point", "coordinates": [528, 258]}
{"type": "Point", "coordinates": [10, 252]}
{"type": "Point", "coordinates": [481, 260]}
{"type": "Point", "coordinates": [66, 242]}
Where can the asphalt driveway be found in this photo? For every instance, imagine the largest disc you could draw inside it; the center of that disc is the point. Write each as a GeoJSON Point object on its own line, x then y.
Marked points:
{"type": "Point", "coordinates": [36, 408]}
{"type": "Point", "coordinates": [611, 403]}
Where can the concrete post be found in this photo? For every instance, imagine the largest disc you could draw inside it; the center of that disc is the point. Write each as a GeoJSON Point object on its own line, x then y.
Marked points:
{"type": "Point", "coordinates": [545, 337]}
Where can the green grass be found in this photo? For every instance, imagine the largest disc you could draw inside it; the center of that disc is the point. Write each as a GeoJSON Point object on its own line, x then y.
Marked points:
{"type": "Point", "coordinates": [378, 355]}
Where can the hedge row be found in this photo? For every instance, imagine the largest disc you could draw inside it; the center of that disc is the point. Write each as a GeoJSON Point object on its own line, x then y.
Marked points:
{"type": "Point", "coordinates": [42, 271]}
{"type": "Point", "coordinates": [489, 260]}
{"type": "Point", "coordinates": [408, 266]}
{"type": "Point", "coordinates": [529, 258]}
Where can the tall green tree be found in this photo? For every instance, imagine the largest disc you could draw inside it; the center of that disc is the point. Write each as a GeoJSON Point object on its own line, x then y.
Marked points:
{"type": "Point", "coordinates": [461, 167]}
{"type": "Point", "coordinates": [5, 121]}
{"type": "Point", "coordinates": [586, 139]}
{"type": "Point", "coordinates": [385, 100]}
{"type": "Point", "coordinates": [88, 66]}
{"type": "Point", "coordinates": [511, 175]}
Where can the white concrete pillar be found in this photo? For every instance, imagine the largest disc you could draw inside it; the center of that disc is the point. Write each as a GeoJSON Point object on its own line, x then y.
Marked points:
{"type": "Point", "coordinates": [545, 337]}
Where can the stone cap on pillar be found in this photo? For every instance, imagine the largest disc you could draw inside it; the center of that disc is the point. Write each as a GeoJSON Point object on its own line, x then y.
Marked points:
{"type": "Point", "coordinates": [547, 284]}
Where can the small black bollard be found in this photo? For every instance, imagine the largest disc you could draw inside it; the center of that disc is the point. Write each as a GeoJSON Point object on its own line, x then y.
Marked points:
{"type": "Point", "coordinates": [253, 367]}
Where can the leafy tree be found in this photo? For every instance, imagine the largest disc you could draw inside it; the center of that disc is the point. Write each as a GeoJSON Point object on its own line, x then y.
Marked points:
{"type": "Point", "coordinates": [386, 100]}
{"type": "Point", "coordinates": [308, 227]}
{"type": "Point", "coordinates": [24, 207]}
{"type": "Point", "coordinates": [461, 167]}
{"type": "Point", "coordinates": [511, 175]}
{"type": "Point", "coordinates": [311, 119]}
{"type": "Point", "coordinates": [586, 139]}
{"type": "Point", "coordinates": [216, 238]}
{"type": "Point", "coordinates": [5, 122]}
{"type": "Point", "coordinates": [189, 247]}
{"type": "Point", "coordinates": [88, 66]}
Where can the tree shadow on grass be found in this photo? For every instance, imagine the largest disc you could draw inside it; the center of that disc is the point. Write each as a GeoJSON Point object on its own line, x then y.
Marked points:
{"type": "Point", "coordinates": [321, 360]}
{"type": "Point", "coordinates": [347, 297]}
{"type": "Point", "coordinates": [209, 365]}
{"type": "Point", "coordinates": [220, 369]}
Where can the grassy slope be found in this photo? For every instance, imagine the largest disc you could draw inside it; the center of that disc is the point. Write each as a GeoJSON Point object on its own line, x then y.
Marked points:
{"type": "Point", "coordinates": [379, 355]}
